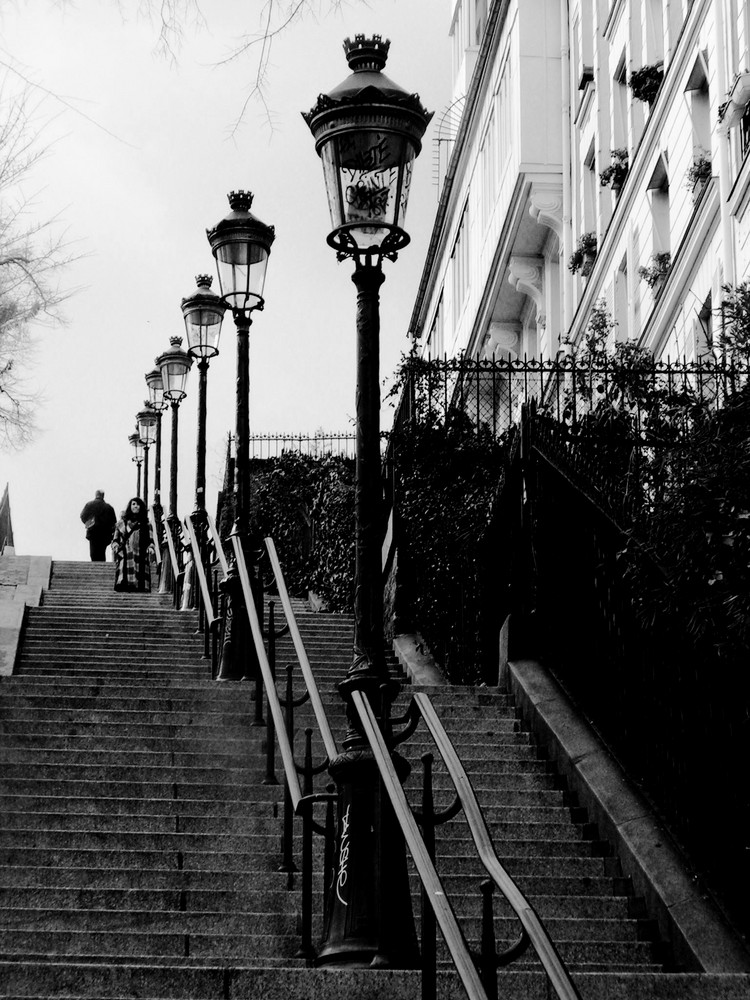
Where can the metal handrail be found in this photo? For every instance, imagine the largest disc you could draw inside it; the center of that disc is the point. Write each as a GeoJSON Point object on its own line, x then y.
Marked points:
{"type": "Point", "coordinates": [154, 535]}
{"type": "Point", "coordinates": [200, 570]}
{"type": "Point", "coordinates": [274, 705]}
{"type": "Point", "coordinates": [217, 545]}
{"type": "Point", "coordinates": [539, 938]}
{"type": "Point", "coordinates": [444, 914]}
{"type": "Point", "coordinates": [317, 705]}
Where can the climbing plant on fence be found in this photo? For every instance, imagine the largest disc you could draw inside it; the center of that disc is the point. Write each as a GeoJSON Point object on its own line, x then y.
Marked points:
{"type": "Point", "coordinates": [306, 504]}
{"type": "Point", "coordinates": [446, 472]}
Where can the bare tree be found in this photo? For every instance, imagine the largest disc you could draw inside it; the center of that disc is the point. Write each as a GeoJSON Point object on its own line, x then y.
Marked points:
{"type": "Point", "coordinates": [31, 255]}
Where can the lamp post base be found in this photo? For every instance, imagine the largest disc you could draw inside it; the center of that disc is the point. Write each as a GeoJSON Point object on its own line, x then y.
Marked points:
{"type": "Point", "coordinates": [369, 919]}
{"type": "Point", "coordinates": [238, 661]}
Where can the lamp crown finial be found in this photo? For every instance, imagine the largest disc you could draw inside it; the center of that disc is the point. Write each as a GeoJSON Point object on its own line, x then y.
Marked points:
{"type": "Point", "coordinates": [203, 280]}
{"type": "Point", "coordinates": [240, 201]}
{"type": "Point", "coordinates": [366, 53]}
{"type": "Point", "coordinates": [175, 341]}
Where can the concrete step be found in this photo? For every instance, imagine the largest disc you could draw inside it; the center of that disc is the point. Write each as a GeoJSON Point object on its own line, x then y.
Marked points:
{"type": "Point", "coordinates": [100, 881]}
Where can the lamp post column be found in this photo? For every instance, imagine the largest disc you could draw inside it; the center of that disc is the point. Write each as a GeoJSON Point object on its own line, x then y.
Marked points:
{"type": "Point", "coordinates": [242, 428]}
{"type": "Point", "coordinates": [145, 473]}
{"type": "Point", "coordinates": [158, 509]}
{"type": "Point", "coordinates": [200, 453]}
{"type": "Point", "coordinates": [138, 478]}
{"type": "Point", "coordinates": [172, 516]}
{"type": "Point", "coordinates": [368, 593]}
{"type": "Point", "coordinates": [238, 657]}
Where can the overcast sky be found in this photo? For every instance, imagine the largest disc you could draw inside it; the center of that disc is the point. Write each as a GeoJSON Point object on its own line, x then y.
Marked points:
{"type": "Point", "coordinates": [136, 178]}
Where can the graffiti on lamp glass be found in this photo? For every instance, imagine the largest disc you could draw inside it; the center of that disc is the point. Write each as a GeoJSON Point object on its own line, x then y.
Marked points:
{"type": "Point", "coordinates": [343, 856]}
{"type": "Point", "coordinates": [368, 195]}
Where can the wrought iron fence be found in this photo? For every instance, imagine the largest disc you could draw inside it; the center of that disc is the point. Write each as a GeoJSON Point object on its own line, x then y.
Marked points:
{"type": "Point", "coordinates": [620, 421]}
{"type": "Point", "coordinates": [490, 394]}
{"type": "Point", "coordinates": [342, 444]}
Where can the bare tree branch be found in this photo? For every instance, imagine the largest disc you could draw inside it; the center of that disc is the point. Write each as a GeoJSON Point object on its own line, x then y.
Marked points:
{"type": "Point", "coordinates": [32, 254]}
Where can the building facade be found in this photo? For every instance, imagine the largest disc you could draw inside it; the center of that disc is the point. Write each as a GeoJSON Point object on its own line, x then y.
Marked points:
{"type": "Point", "coordinates": [600, 162]}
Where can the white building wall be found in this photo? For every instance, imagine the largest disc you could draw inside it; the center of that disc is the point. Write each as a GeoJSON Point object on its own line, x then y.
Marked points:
{"type": "Point", "coordinates": [526, 183]}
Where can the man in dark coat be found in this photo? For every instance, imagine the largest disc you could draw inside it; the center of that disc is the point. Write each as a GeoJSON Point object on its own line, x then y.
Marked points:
{"type": "Point", "coordinates": [100, 520]}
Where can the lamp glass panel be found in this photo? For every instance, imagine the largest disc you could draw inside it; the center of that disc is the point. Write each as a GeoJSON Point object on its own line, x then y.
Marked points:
{"type": "Point", "coordinates": [147, 429]}
{"type": "Point", "coordinates": [242, 273]}
{"type": "Point", "coordinates": [155, 389]}
{"type": "Point", "coordinates": [174, 375]}
{"type": "Point", "coordinates": [367, 175]}
{"type": "Point", "coordinates": [203, 327]}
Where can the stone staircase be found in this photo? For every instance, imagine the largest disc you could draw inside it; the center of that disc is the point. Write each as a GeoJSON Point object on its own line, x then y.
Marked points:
{"type": "Point", "coordinates": [139, 847]}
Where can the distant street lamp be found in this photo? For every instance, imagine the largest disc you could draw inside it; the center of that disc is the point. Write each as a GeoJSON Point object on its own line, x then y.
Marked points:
{"type": "Point", "coordinates": [241, 244]}
{"type": "Point", "coordinates": [368, 132]}
{"type": "Point", "coordinates": [147, 422]}
{"type": "Point", "coordinates": [135, 442]}
{"type": "Point", "coordinates": [158, 403]}
{"type": "Point", "coordinates": [203, 312]}
{"type": "Point", "coordinates": [174, 366]}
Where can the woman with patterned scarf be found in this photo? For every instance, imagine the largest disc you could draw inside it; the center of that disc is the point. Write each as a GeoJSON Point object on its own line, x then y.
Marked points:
{"type": "Point", "coordinates": [132, 548]}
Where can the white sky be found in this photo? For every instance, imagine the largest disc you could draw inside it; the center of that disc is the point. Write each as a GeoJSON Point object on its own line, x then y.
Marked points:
{"type": "Point", "coordinates": [136, 200]}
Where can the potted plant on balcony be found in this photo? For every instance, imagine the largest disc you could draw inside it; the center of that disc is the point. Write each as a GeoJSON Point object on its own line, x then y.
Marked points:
{"type": "Point", "coordinates": [698, 174]}
{"type": "Point", "coordinates": [617, 171]}
{"type": "Point", "coordinates": [583, 257]}
{"type": "Point", "coordinates": [657, 270]}
{"type": "Point", "coordinates": [645, 82]}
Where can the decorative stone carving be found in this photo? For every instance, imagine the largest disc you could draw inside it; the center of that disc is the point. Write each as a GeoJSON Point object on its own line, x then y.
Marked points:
{"type": "Point", "coordinates": [502, 340]}
{"type": "Point", "coordinates": [526, 274]}
{"type": "Point", "coordinates": [546, 207]}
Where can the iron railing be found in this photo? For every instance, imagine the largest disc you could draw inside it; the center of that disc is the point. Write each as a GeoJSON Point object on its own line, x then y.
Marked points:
{"type": "Point", "coordinates": [273, 445]}
{"type": "Point", "coordinates": [300, 800]}
{"type": "Point", "coordinates": [489, 395]}
{"type": "Point", "coordinates": [619, 430]}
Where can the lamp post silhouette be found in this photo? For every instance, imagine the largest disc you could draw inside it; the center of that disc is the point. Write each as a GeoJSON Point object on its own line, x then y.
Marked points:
{"type": "Point", "coordinates": [241, 244]}
{"type": "Point", "coordinates": [158, 404]}
{"type": "Point", "coordinates": [135, 442]}
{"type": "Point", "coordinates": [174, 366]}
{"type": "Point", "coordinates": [147, 421]}
{"type": "Point", "coordinates": [367, 133]}
{"type": "Point", "coordinates": [203, 312]}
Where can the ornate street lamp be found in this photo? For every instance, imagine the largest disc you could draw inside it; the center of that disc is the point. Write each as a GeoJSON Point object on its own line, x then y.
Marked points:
{"type": "Point", "coordinates": [174, 366]}
{"type": "Point", "coordinates": [368, 132]}
{"type": "Point", "coordinates": [203, 312]}
{"type": "Point", "coordinates": [135, 442]}
{"type": "Point", "coordinates": [158, 404]}
{"type": "Point", "coordinates": [241, 244]}
{"type": "Point", "coordinates": [147, 418]}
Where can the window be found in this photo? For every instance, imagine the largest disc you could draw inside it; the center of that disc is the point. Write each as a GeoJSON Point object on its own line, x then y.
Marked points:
{"type": "Point", "coordinates": [460, 267]}
{"type": "Point", "coordinates": [590, 190]}
{"type": "Point", "coordinates": [436, 340]}
{"type": "Point", "coordinates": [704, 330]}
{"type": "Point", "coordinates": [488, 162]}
{"type": "Point", "coordinates": [458, 36]}
{"type": "Point", "coordinates": [745, 132]}
{"type": "Point", "coordinates": [620, 106]}
{"type": "Point", "coordinates": [480, 19]}
{"type": "Point", "coordinates": [654, 32]}
{"type": "Point", "coordinates": [620, 308]}
{"type": "Point", "coordinates": [659, 190]}
{"type": "Point", "coordinates": [583, 44]}
{"type": "Point", "coordinates": [700, 109]}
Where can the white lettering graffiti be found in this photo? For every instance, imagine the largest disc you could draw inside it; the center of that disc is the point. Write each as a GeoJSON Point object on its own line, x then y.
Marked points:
{"type": "Point", "coordinates": [343, 855]}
